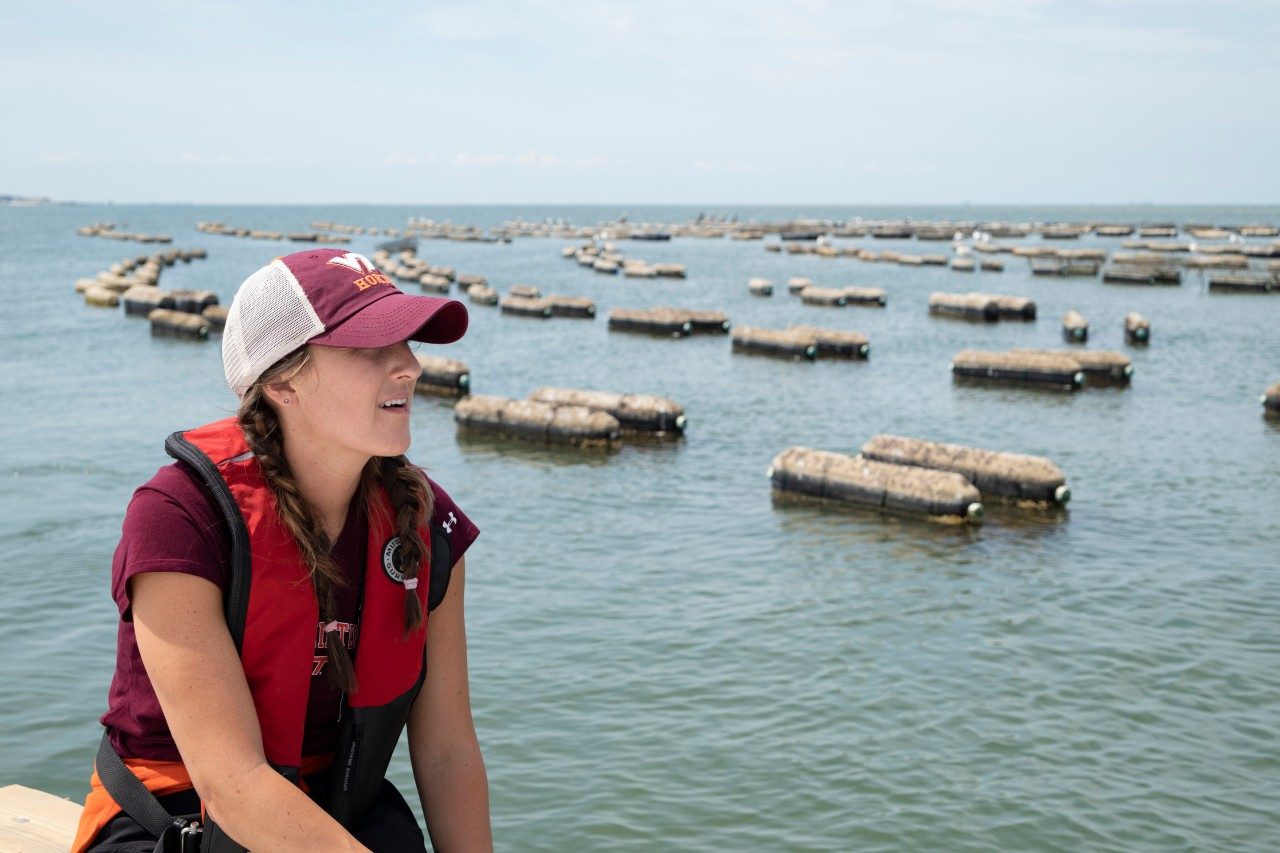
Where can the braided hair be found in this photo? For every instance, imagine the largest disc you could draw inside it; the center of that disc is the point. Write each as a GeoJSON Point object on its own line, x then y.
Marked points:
{"type": "Point", "coordinates": [406, 487]}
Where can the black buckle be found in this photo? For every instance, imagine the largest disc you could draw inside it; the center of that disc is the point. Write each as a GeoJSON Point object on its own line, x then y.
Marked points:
{"type": "Point", "coordinates": [181, 836]}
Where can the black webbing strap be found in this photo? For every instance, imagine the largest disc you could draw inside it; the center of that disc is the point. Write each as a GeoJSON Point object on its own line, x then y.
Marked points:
{"type": "Point", "coordinates": [129, 792]}
{"type": "Point", "coordinates": [236, 596]}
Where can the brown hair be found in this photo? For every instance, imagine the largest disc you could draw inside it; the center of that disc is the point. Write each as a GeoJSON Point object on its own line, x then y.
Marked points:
{"type": "Point", "coordinates": [406, 486]}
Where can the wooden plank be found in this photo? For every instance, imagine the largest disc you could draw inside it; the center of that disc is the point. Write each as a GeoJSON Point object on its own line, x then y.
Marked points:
{"type": "Point", "coordinates": [32, 821]}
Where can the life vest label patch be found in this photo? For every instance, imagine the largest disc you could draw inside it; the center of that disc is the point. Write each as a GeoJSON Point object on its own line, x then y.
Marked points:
{"type": "Point", "coordinates": [391, 561]}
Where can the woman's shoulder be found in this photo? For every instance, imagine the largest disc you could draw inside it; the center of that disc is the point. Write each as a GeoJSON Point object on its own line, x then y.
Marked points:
{"type": "Point", "coordinates": [447, 515]}
{"type": "Point", "coordinates": [175, 488]}
{"type": "Point", "coordinates": [171, 525]}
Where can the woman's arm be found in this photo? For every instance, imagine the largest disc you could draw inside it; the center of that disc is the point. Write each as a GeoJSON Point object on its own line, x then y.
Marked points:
{"type": "Point", "coordinates": [192, 662]}
{"type": "Point", "coordinates": [447, 764]}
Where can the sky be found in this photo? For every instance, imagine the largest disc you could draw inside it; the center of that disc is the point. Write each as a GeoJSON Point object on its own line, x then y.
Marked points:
{"type": "Point", "coordinates": [569, 101]}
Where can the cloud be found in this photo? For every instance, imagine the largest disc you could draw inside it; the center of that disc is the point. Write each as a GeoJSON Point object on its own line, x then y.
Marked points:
{"type": "Point", "coordinates": [396, 158]}
{"type": "Point", "coordinates": [463, 158]}
{"type": "Point", "coordinates": [801, 45]}
{"type": "Point", "coordinates": [531, 22]}
{"type": "Point", "coordinates": [1178, 42]}
{"type": "Point", "coordinates": [62, 157]}
{"type": "Point", "coordinates": [1000, 9]}
{"type": "Point", "coordinates": [531, 158]}
{"type": "Point", "coordinates": [484, 21]}
{"type": "Point", "coordinates": [193, 158]}
{"type": "Point", "coordinates": [724, 166]}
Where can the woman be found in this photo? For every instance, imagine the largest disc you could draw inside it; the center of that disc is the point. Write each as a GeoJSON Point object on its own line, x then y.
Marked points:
{"type": "Point", "coordinates": [272, 642]}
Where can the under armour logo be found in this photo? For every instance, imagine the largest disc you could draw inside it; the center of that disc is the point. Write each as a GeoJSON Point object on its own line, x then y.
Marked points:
{"type": "Point", "coordinates": [448, 525]}
{"type": "Point", "coordinates": [353, 261]}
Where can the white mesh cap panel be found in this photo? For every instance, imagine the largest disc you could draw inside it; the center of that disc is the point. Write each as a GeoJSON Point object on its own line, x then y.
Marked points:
{"type": "Point", "coordinates": [269, 318]}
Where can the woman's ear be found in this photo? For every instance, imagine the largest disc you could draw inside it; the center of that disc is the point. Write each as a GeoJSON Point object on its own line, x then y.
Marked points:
{"type": "Point", "coordinates": [284, 391]}
{"type": "Point", "coordinates": [280, 393]}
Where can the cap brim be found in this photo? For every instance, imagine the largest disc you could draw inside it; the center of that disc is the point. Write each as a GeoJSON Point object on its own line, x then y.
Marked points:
{"type": "Point", "coordinates": [399, 317]}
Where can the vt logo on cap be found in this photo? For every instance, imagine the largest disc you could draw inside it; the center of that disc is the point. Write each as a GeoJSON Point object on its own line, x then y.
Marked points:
{"type": "Point", "coordinates": [359, 263]}
{"type": "Point", "coordinates": [353, 261]}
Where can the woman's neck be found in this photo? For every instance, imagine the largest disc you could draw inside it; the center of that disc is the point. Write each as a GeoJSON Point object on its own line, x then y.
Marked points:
{"type": "Point", "coordinates": [327, 481]}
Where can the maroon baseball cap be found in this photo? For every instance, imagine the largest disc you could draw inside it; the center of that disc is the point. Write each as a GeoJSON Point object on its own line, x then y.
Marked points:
{"type": "Point", "coordinates": [329, 297]}
{"type": "Point", "coordinates": [361, 307]}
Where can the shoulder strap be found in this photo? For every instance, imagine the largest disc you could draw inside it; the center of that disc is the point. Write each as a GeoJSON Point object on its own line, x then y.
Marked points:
{"type": "Point", "coordinates": [236, 604]}
{"type": "Point", "coordinates": [129, 792]}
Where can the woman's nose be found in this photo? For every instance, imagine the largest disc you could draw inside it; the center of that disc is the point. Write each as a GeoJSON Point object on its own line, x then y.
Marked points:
{"type": "Point", "coordinates": [405, 363]}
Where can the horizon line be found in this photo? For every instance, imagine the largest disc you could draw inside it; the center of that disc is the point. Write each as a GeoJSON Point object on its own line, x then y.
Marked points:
{"type": "Point", "coordinates": [53, 201]}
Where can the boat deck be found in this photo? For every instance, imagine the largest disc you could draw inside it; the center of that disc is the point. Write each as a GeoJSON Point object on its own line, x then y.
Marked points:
{"type": "Point", "coordinates": [32, 821]}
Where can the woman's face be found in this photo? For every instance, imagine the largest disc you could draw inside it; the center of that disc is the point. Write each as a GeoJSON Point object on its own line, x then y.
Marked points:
{"type": "Point", "coordinates": [354, 402]}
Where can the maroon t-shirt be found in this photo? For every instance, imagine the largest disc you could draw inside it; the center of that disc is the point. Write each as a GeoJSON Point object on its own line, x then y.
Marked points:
{"type": "Point", "coordinates": [173, 525]}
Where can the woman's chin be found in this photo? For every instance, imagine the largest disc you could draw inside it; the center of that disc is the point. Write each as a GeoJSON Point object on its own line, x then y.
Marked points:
{"type": "Point", "coordinates": [396, 446]}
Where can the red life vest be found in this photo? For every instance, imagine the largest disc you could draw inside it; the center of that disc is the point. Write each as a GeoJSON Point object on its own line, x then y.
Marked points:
{"type": "Point", "coordinates": [272, 613]}
{"type": "Point", "coordinates": [281, 611]}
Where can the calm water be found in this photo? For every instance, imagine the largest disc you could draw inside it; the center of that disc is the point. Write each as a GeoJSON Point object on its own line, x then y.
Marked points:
{"type": "Point", "coordinates": [663, 655]}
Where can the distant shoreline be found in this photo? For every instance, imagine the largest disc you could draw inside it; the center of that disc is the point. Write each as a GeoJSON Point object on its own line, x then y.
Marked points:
{"type": "Point", "coordinates": [28, 201]}
{"type": "Point", "coordinates": [42, 201]}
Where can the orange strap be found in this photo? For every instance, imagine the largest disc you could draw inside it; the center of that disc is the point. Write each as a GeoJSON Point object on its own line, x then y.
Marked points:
{"type": "Point", "coordinates": [160, 778]}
